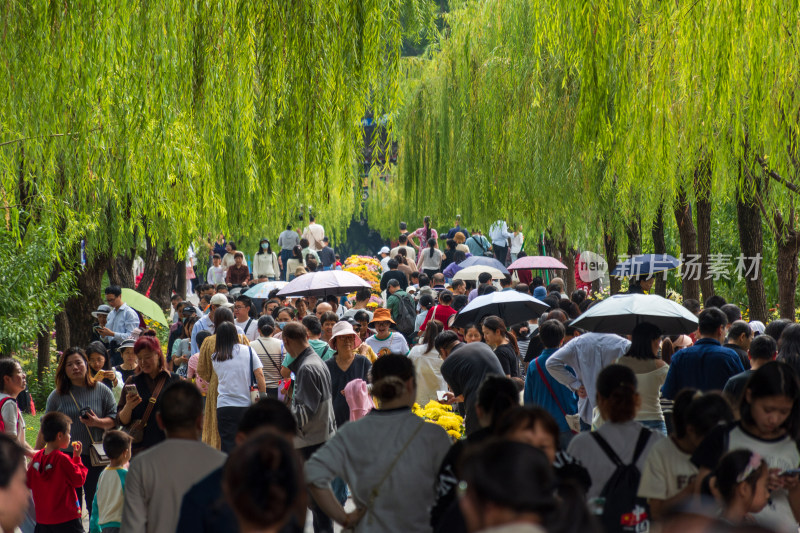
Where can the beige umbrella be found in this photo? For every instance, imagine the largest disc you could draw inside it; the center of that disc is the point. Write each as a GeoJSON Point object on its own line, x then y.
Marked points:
{"type": "Point", "coordinates": [472, 273]}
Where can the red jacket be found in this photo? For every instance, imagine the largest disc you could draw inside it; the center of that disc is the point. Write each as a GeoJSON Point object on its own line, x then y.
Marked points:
{"type": "Point", "coordinates": [438, 312]}
{"type": "Point", "coordinates": [53, 479]}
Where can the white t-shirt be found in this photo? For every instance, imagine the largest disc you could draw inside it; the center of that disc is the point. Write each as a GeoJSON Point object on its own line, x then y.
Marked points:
{"type": "Point", "coordinates": [235, 377]}
{"type": "Point", "coordinates": [395, 343]}
{"type": "Point", "coordinates": [251, 332]}
{"type": "Point", "coordinates": [667, 470]}
{"type": "Point", "coordinates": [14, 423]}
{"type": "Point", "coordinates": [779, 453]}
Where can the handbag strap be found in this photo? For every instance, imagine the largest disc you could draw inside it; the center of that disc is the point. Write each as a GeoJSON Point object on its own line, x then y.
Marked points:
{"type": "Point", "coordinates": [151, 403]}
{"type": "Point", "coordinates": [549, 388]}
{"type": "Point", "coordinates": [269, 356]}
{"type": "Point", "coordinates": [373, 494]}
{"type": "Point", "coordinates": [88, 429]}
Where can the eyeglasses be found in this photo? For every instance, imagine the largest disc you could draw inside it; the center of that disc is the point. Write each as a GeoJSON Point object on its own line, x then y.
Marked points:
{"type": "Point", "coordinates": [239, 307]}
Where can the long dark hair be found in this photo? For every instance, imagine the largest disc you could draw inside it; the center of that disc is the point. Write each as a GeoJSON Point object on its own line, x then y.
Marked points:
{"type": "Point", "coordinates": [773, 379]}
{"type": "Point", "coordinates": [297, 252]}
{"type": "Point", "coordinates": [433, 328]}
{"type": "Point", "coordinates": [99, 347]}
{"type": "Point", "coordinates": [789, 346]}
{"type": "Point", "coordinates": [63, 383]}
{"type": "Point", "coordinates": [496, 324]}
{"type": "Point", "coordinates": [431, 245]}
{"type": "Point", "coordinates": [519, 477]}
{"type": "Point", "coordinates": [261, 250]}
{"type": "Point", "coordinates": [426, 223]}
{"type": "Point", "coordinates": [226, 340]}
{"type": "Point", "coordinates": [642, 339]}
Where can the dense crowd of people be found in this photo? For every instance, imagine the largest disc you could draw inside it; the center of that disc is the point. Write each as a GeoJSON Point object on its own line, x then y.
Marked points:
{"type": "Point", "coordinates": [254, 414]}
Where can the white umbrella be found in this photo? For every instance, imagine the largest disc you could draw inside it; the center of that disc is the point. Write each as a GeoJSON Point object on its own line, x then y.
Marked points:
{"type": "Point", "coordinates": [323, 284]}
{"type": "Point", "coordinates": [512, 306]}
{"type": "Point", "coordinates": [262, 290]}
{"type": "Point", "coordinates": [472, 273]}
{"type": "Point", "coordinates": [621, 313]}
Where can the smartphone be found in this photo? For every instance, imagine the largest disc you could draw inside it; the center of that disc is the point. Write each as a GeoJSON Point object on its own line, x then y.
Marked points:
{"type": "Point", "coordinates": [131, 389]}
{"type": "Point", "coordinates": [440, 395]}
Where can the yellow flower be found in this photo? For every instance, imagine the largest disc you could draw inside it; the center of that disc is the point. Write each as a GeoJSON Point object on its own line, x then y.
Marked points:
{"type": "Point", "coordinates": [454, 434]}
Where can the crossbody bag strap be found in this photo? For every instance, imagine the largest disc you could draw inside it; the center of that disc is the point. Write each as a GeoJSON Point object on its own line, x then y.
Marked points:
{"type": "Point", "coordinates": [269, 356]}
{"type": "Point", "coordinates": [549, 388]}
{"type": "Point", "coordinates": [644, 436]}
{"type": "Point", "coordinates": [88, 429]}
{"type": "Point", "coordinates": [250, 354]}
{"type": "Point", "coordinates": [151, 403]}
{"type": "Point", "coordinates": [373, 494]}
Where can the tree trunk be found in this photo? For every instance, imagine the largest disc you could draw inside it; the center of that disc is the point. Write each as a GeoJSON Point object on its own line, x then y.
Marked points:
{"type": "Point", "coordinates": [120, 271]}
{"type": "Point", "coordinates": [62, 332]}
{"type": "Point", "coordinates": [751, 243]}
{"type": "Point", "coordinates": [788, 242]}
{"type": "Point", "coordinates": [163, 278]}
{"type": "Point", "coordinates": [150, 267]}
{"type": "Point", "coordinates": [610, 245]}
{"type": "Point", "coordinates": [702, 184]}
{"type": "Point", "coordinates": [688, 237]}
{"type": "Point", "coordinates": [659, 248]}
{"type": "Point", "coordinates": [181, 283]}
{"type": "Point", "coordinates": [43, 353]}
{"type": "Point", "coordinates": [634, 233]}
{"type": "Point", "coordinates": [79, 308]}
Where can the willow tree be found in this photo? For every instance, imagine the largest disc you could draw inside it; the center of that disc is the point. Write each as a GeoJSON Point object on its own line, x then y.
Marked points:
{"type": "Point", "coordinates": [161, 122]}
{"type": "Point", "coordinates": [658, 91]}
{"type": "Point", "coordinates": [487, 131]}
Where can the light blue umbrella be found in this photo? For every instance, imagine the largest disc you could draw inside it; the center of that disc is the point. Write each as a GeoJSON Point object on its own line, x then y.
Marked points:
{"type": "Point", "coordinates": [484, 261]}
{"type": "Point", "coordinates": [262, 290]}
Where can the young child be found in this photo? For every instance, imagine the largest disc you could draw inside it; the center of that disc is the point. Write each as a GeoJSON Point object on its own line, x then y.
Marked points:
{"type": "Point", "coordinates": [53, 477]}
{"type": "Point", "coordinates": [109, 497]}
{"type": "Point", "coordinates": [216, 273]}
{"type": "Point", "coordinates": [741, 482]}
{"type": "Point", "coordinates": [769, 426]}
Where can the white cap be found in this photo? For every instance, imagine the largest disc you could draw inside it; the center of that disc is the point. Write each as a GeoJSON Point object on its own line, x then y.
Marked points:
{"type": "Point", "coordinates": [384, 250]}
{"type": "Point", "coordinates": [220, 300]}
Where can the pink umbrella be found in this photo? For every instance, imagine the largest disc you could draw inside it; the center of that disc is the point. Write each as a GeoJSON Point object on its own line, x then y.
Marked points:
{"type": "Point", "coordinates": [538, 262]}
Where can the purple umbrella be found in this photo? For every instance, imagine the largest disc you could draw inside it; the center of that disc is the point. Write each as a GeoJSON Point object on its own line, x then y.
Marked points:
{"type": "Point", "coordinates": [540, 262]}
{"type": "Point", "coordinates": [484, 261]}
{"type": "Point", "coordinates": [323, 284]}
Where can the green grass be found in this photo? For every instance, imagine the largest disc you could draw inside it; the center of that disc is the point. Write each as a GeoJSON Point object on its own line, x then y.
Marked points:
{"type": "Point", "coordinates": [31, 428]}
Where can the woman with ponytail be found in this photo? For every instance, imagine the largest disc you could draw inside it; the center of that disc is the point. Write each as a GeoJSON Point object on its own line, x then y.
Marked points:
{"type": "Point", "coordinates": [430, 259]}
{"type": "Point", "coordinates": [511, 486]}
{"type": "Point", "coordinates": [496, 396]}
{"type": "Point", "coordinates": [503, 343]}
{"type": "Point", "coordinates": [392, 475]}
{"type": "Point", "coordinates": [618, 403]}
{"type": "Point", "coordinates": [425, 233]}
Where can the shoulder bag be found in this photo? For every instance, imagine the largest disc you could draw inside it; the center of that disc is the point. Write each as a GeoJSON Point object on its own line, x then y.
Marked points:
{"type": "Point", "coordinates": [573, 421]}
{"type": "Point", "coordinates": [136, 428]}
{"type": "Point", "coordinates": [254, 394]}
{"type": "Point", "coordinates": [97, 454]}
{"type": "Point", "coordinates": [373, 494]}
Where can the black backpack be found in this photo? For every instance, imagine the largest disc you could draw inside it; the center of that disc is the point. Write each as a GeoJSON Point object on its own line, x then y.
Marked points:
{"type": "Point", "coordinates": [623, 510]}
{"type": "Point", "coordinates": [406, 314]}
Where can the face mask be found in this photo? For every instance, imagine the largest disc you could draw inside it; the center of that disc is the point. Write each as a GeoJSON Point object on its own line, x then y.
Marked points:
{"type": "Point", "coordinates": [282, 324]}
{"type": "Point", "coordinates": [264, 245]}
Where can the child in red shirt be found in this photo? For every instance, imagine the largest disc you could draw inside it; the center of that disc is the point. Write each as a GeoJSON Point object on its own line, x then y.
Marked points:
{"type": "Point", "coordinates": [53, 477]}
